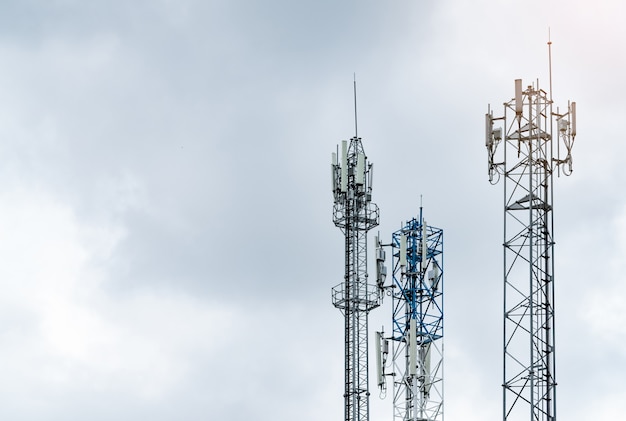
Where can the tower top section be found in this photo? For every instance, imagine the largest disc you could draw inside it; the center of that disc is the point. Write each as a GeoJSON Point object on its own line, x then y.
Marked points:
{"type": "Point", "coordinates": [352, 178]}
{"type": "Point", "coordinates": [529, 119]}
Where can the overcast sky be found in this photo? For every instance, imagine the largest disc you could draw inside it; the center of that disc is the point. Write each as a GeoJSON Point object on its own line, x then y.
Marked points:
{"type": "Point", "coordinates": [167, 249]}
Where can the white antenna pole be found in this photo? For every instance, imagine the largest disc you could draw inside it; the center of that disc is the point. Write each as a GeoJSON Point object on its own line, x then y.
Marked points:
{"type": "Point", "coordinates": [550, 62]}
{"type": "Point", "coordinates": [558, 144]}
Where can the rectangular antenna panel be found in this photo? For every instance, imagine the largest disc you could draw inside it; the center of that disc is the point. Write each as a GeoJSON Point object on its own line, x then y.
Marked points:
{"type": "Point", "coordinates": [403, 250]}
{"type": "Point", "coordinates": [427, 376]}
{"type": "Point", "coordinates": [424, 246]}
{"type": "Point", "coordinates": [360, 169]}
{"type": "Point", "coordinates": [488, 132]}
{"type": "Point", "coordinates": [344, 165]}
{"type": "Point", "coordinates": [573, 118]}
{"type": "Point", "coordinates": [379, 358]}
{"type": "Point", "coordinates": [412, 347]}
{"type": "Point", "coordinates": [518, 97]}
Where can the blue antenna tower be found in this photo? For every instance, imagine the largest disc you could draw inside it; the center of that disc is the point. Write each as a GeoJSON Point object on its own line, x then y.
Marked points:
{"type": "Point", "coordinates": [417, 313]}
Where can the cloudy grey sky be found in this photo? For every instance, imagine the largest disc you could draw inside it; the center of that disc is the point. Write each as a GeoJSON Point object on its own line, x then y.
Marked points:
{"type": "Point", "coordinates": [166, 240]}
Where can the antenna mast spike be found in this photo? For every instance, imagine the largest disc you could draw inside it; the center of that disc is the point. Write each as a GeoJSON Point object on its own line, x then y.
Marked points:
{"type": "Point", "coordinates": [356, 132]}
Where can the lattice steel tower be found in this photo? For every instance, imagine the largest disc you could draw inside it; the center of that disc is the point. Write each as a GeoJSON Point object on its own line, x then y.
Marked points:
{"type": "Point", "coordinates": [355, 214]}
{"type": "Point", "coordinates": [417, 336]}
{"type": "Point", "coordinates": [535, 137]}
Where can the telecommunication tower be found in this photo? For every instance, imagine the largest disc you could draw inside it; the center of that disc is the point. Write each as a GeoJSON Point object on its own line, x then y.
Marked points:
{"type": "Point", "coordinates": [417, 317]}
{"type": "Point", "coordinates": [537, 142]}
{"type": "Point", "coordinates": [355, 214]}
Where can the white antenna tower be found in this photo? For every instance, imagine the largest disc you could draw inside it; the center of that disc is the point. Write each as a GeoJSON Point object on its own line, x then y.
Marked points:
{"type": "Point", "coordinates": [355, 214]}
{"type": "Point", "coordinates": [530, 131]}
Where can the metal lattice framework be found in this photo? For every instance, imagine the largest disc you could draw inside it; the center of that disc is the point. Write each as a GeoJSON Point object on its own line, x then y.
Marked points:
{"type": "Point", "coordinates": [527, 162]}
{"type": "Point", "coordinates": [417, 337]}
{"type": "Point", "coordinates": [355, 214]}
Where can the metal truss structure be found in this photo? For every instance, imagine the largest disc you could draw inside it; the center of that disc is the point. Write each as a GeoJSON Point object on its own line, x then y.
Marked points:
{"type": "Point", "coordinates": [417, 337]}
{"type": "Point", "coordinates": [534, 138]}
{"type": "Point", "coordinates": [355, 214]}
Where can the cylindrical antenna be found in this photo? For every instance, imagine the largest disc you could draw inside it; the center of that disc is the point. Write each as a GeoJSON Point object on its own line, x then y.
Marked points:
{"type": "Point", "coordinates": [573, 118]}
{"type": "Point", "coordinates": [518, 97]}
{"type": "Point", "coordinates": [344, 165]}
{"type": "Point", "coordinates": [333, 168]}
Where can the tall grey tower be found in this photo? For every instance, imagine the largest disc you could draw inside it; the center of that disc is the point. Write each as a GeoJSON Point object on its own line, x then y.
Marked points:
{"type": "Point", "coordinates": [536, 142]}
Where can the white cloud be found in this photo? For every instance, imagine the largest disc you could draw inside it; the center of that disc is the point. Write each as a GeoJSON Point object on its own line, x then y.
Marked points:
{"type": "Point", "coordinates": [605, 313]}
{"type": "Point", "coordinates": [63, 331]}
